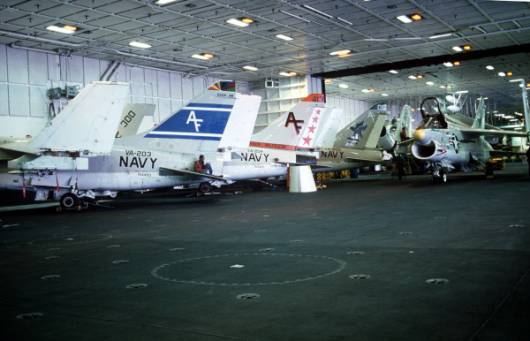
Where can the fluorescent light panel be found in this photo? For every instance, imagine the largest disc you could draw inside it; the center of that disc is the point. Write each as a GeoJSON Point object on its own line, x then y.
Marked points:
{"type": "Point", "coordinates": [139, 44]}
{"type": "Point", "coordinates": [404, 19]}
{"type": "Point", "coordinates": [250, 68]}
{"type": "Point", "coordinates": [237, 22]}
{"type": "Point", "coordinates": [441, 35]}
{"type": "Point", "coordinates": [317, 11]}
{"type": "Point", "coordinates": [283, 37]}
{"type": "Point", "coordinates": [288, 74]}
{"type": "Point", "coordinates": [340, 53]}
{"type": "Point", "coordinates": [164, 2]}
{"type": "Point", "coordinates": [65, 29]}
{"type": "Point", "coordinates": [203, 56]}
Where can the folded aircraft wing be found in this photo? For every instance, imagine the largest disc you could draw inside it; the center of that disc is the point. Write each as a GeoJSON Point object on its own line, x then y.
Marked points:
{"type": "Point", "coordinates": [192, 174]}
{"type": "Point", "coordinates": [88, 123]}
{"type": "Point", "coordinates": [474, 132]}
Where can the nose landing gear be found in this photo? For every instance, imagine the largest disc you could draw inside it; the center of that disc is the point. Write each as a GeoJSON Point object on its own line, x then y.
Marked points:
{"type": "Point", "coordinates": [439, 176]}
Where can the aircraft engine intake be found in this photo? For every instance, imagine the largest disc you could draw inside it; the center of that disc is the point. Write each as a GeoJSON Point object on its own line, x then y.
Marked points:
{"type": "Point", "coordinates": [424, 151]}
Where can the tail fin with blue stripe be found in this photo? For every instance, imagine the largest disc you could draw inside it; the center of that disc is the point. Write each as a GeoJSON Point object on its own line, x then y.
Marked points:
{"type": "Point", "coordinates": [213, 120]}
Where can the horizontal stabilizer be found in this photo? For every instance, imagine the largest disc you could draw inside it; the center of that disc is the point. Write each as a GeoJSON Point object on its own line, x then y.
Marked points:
{"type": "Point", "coordinates": [472, 132]}
{"type": "Point", "coordinates": [196, 175]}
{"type": "Point", "coordinates": [132, 117]}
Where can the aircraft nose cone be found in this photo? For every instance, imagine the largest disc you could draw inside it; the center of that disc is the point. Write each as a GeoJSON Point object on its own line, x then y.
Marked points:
{"type": "Point", "coordinates": [419, 134]}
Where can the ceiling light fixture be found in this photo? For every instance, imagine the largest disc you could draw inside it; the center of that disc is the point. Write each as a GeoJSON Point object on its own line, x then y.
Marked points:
{"type": "Point", "coordinates": [456, 63]}
{"type": "Point", "coordinates": [312, 9]}
{"type": "Point", "coordinates": [328, 81]}
{"type": "Point", "coordinates": [65, 29]}
{"type": "Point", "coordinates": [343, 86]}
{"type": "Point", "coordinates": [457, 49]}
{"type": "Point", "coordinates": [250, 68]}
{"type": "Point", "coordinates": [340, 53]}
{"type": "Point", "coordinates": [404, 19]}
{"type": "Point", "coordinates": [394, 72]}
{"type": "Point", "coordinates": [288, 73]}
{"type": "Point", "coordinates": [429, 83]}
{"type": "Point", "coordinates": [344, 21]}
{"type": "Point", "coordinates": [413, 77]}
{"type": "Point", "coordinates": [467, 47]}
{"type": "Point", "coordinates": [164, 2]}
{"type": "Point", "coordinates": [369, 90]}
{"type": "Point", "coordinates": [203, 56]}
{"type": "Point", "coordinates": [240, 22]}
{"type": "Point", "coordinates": [490, 67]}
{"type": "Point", "coordinates": [448, 64]}
{"type": "Point", "coordinates": [509, 74]}
{"type": "Point", "coordinates": [416, 16]}
{"type": "Point", "coordinates": [139, 44]}
{"type": "Point", "coordinates": [384, 95]}
{"type": "Point", "coordinates": [502, 74]}
{"type": "Point", "coordinates": [442, 35]}
{"type": "Point", "coordinates": [283, 37]}
{"type": "Point", "coordinates": [247, 20]}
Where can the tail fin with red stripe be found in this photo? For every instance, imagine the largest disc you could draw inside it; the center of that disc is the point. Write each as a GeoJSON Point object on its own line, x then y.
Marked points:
{"type": "Point", "coordinates": [309, 125]}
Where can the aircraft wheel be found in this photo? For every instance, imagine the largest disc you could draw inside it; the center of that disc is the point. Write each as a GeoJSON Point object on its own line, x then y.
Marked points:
{"type": "Point", "coordinates": [69, 201]}
{"type": "Point", "coordinates": [204, 188]}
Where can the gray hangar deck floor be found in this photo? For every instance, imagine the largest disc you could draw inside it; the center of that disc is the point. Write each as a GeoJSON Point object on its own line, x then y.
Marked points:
{"type": "Point", "coordinates": [361, 260]}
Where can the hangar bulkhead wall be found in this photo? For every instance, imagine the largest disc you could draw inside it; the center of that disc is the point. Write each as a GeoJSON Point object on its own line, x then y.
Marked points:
{"type": "Point", "coordinates": [25, 77]}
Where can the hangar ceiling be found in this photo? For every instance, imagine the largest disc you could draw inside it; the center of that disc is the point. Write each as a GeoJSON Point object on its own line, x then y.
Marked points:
{"type": "Point", "coordinates": [370, 29]}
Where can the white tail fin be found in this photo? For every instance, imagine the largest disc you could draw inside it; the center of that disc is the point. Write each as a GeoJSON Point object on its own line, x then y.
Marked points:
{"type": "Point", "coordinates": [480, 115]}
{"type": "Point", "coordinates": [363, 133]}
{"type": "Point", "coordinates": [132, 117]}
{"type": "Point", "coordinates": [306, 126]}
{"type": "Point", "coordinates": [88, 123]}
{"type": "Point", "coordinates": [213, 120]}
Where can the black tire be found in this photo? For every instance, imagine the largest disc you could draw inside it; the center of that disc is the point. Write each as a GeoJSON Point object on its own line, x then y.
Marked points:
{"type": "Point", "coordinates": [204, 188]}
{"type": "Point", "coordinates": [69, 201]}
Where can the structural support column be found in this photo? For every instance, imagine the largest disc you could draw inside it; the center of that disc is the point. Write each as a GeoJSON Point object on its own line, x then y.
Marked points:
{"type": "Point", "coordinates": [315, 85]}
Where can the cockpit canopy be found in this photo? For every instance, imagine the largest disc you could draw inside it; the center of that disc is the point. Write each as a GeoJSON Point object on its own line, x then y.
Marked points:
{"type": "Point", "coordinates": [432, 114]}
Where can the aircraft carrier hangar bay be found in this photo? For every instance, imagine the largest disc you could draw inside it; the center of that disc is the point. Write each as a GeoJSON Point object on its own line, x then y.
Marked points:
{"type": "Point", "coordinates": [363, 172]}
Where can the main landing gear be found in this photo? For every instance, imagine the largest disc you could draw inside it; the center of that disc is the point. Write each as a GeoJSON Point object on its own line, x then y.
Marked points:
{"type": "Point", "coordinates": [71, 202]}
{"type": "Point", "coordinates": [204, 187]}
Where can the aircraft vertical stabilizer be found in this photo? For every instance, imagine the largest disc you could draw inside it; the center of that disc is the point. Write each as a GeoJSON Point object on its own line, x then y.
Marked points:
{"type": "Point", "coordinates": [363, 133]}
{"type": "Point", "coordinates": [480, 115]}
{"type": "Point", "coordinates": [215, 119]}
{"type": "Point", "coordinates": [88, 123]}
{"type": "Point", "coordinates": [306, 126]}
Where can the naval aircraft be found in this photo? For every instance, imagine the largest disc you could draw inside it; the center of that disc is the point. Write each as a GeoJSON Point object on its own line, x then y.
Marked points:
{"type": "Point", "coordinates": [78, 158]}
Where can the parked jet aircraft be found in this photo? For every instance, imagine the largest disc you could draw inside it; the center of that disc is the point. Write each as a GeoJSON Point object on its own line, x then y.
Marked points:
{"type": "Point", "coordinates": [78, 158]}
{"type": "Point", "coordinates": [445, 146]}
{"type": "Point", "coordinates": [309, 134]}
{"type": "Point", "coordinates": [132, 117]}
